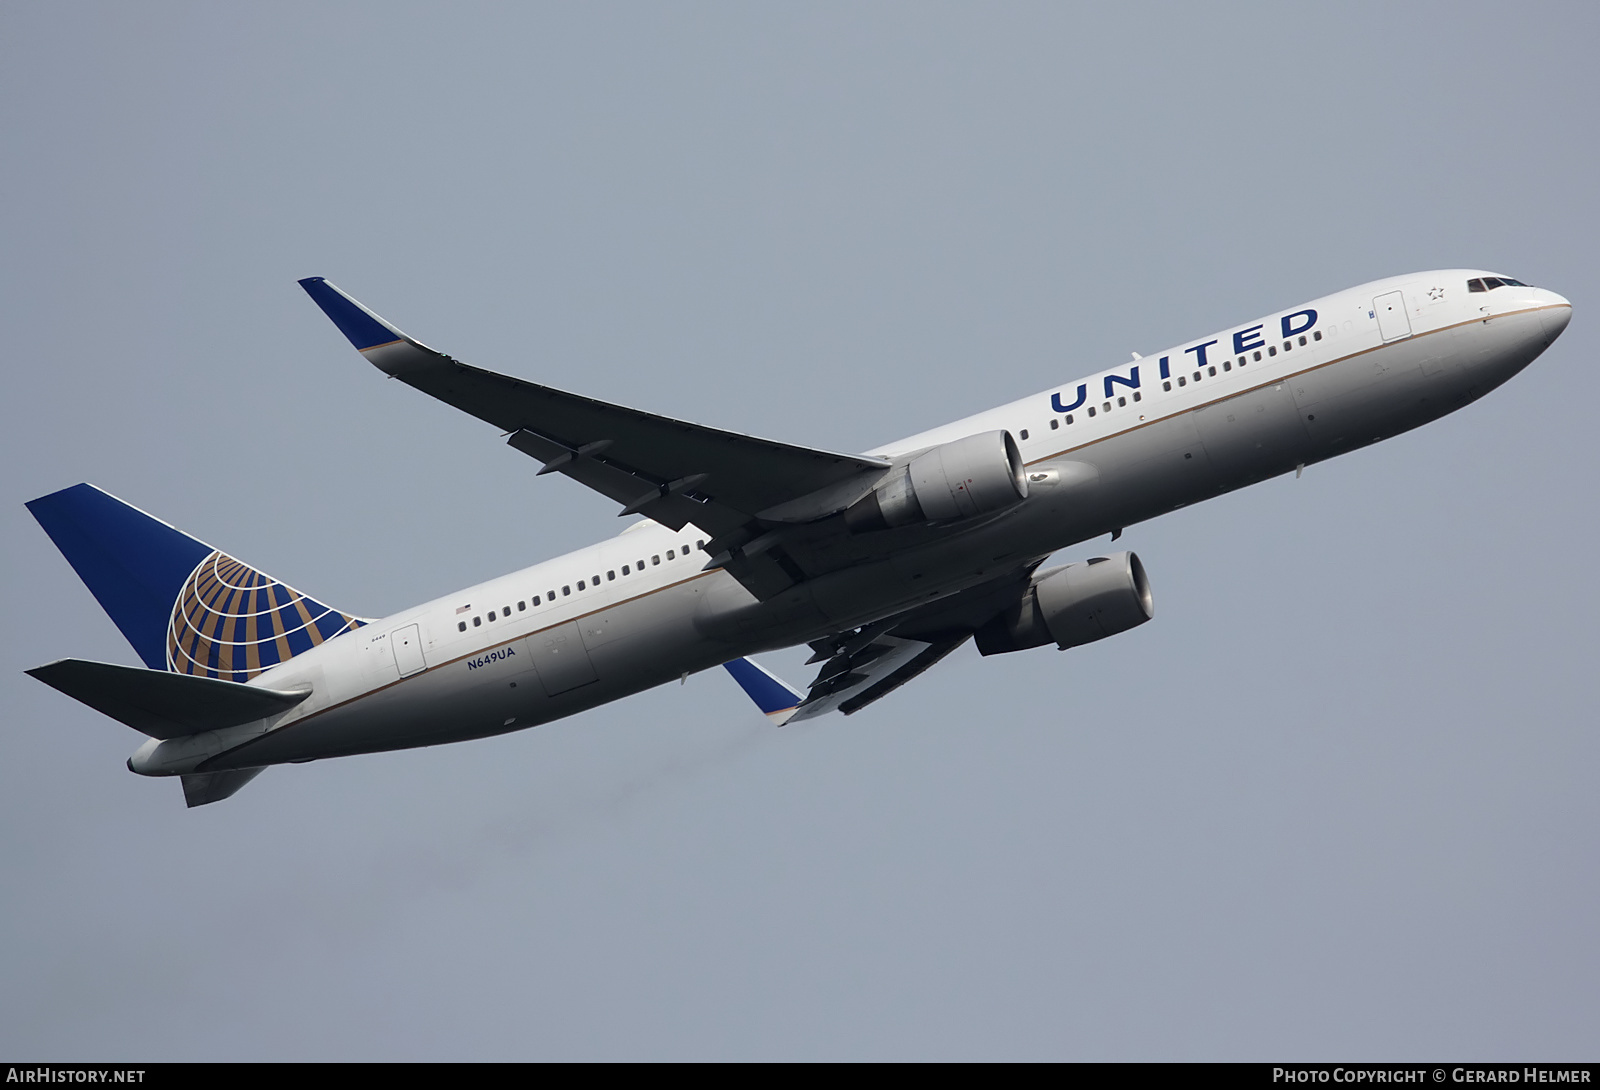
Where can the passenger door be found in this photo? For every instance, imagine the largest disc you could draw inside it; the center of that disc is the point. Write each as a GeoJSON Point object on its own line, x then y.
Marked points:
{"type": "Point", "coordinates": [1393, 322]}
{"type": "Point", "coordinates": [406, 643]}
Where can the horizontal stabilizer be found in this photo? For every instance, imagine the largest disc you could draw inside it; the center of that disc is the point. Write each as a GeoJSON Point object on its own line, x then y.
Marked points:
{"type": "Point", "coordinates": [200, 788]}
{"type": "Point", "coordinates": [161, 704]}
{"type": "Point", "coordinates": [776, 699]}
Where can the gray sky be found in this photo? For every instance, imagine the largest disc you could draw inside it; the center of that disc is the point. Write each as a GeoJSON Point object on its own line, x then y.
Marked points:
{"type": "Point", "coordinates": [1336, 801]}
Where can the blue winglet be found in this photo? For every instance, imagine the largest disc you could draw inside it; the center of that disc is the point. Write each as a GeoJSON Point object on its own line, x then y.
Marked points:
{"type": "Point", "coordinates": [364, 328]}
{"type": "Point", "coordinates": [776, 698]}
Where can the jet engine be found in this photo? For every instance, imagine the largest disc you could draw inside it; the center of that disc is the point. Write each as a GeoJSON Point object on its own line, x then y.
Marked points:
{"type": "Point", "coordinates": [1077, 604]}
{"type": "Point", "coordinates": [977, 475]}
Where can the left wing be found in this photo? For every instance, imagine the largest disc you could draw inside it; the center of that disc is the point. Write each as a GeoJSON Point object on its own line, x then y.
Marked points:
{"type": "Point", "coordinates": [850, 680]}
{"type": "Point", "coordinates": [866, 664]}
{"type": "Point", "coordinates": [671, 471]}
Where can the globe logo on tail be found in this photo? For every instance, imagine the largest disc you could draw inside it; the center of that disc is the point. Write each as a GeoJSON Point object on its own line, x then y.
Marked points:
{"type": "Point", "coordinates": [232, 622]}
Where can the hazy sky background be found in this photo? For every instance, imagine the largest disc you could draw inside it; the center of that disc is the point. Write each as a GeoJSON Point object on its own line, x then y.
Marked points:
{"type": "Point", "coordinates": [1337, 801]}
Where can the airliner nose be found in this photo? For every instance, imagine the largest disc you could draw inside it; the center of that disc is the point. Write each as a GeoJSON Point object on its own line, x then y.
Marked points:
{"type": "Point", "coordinates": [1555, 315]}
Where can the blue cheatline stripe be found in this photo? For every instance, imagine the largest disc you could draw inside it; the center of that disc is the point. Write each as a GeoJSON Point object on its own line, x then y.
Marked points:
{"type": "Point", "coordinates": [133, 564]}
{"type": "Point", "coordinates": [770, 694]}
{"type": "Point", "coordinates": [364, 329]}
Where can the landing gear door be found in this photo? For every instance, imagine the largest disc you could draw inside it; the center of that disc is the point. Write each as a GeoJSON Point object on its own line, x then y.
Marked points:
{"type": "Point", "coordinates": [407, 646]}
{"type": "Point", "coordinates": [1393, 321]}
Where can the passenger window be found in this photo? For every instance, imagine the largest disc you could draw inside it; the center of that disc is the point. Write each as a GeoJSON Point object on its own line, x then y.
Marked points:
{"type": "Point", "coordinates": [477, 622]}
{"type": "Point", "coordinates": [1121, 401]}
{"type": "Point", "coordinates": [505, 611]}
{"type": "Point", "coordinates": [1212, 371]}
{"type": "Point", "coordinates": [1257, 356]}
{"type": "Point", "coordinates": [1137, 396]}
{"type": "Point", "coordinates": [1024, 433]}
{"type": "Point", "coordinates": [1167, 386]}
{"type": "Point", "coordinates": [1317, 336]}
{"type": "Point", "coordinates": [1106, 407]}
{"type": "Point", "coordinates": [536, 600]}
{"type": "Point", "coordinates": [1226, 366]}
{"type": "Point", "coordinates": [1091, 410]}
{"type": "Point", "coordinates": [491, 614]}
{"type": "Point", "coordinates": [551, 595]}
{"type": "Point", "coordinates": [1055, 425]}
{"type": "Point", "coordinates": [701, 544]}
{"type": "Point", "coordinates": [1182, 381]}
{"type": "Point", "coordinates": [1272, 351]}
{"type": "Point", "coordinates": [1302, 342]}
{"type": "Point", "coordinates": [1198, 376]}
{"type": "Point", "coordinates": [566, 590]}
{"type": "Point", "coordinates": [624, 569]}
{"type": "Point", "coordinates": [580, 587]}
{"type": "Point", "coordinates": [656, 559]}
{"type": "Point", "coordinates": [611, 576]}
{"type": "Point", "coordinates": [671, 555]}
{"type": "Point", "coordinates": [522, 607]}
{"type": "Point", "coordinates": [595, 581]}
{"type": "Point", "coordinates": [462, 626]}
{"type": "Point", "coordinates": [640, 565]}
{"type": "Point", "coordinates": [1287, 345]}
{"type": "Point", "coordinates": [1069, 418]}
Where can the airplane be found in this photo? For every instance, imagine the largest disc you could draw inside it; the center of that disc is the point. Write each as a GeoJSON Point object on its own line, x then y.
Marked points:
{"type": "Point", "coordinates": [883, 562]}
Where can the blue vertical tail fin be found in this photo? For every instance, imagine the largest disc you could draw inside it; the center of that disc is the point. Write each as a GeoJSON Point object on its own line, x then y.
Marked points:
{"type": "Point", "coordinates": [184, 606]}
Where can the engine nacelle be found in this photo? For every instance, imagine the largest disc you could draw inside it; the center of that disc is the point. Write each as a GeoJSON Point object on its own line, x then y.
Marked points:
{"type": "Point", "coordinates": [1074, 605]}
{"type": "Point", "coordinates": [977, 475]}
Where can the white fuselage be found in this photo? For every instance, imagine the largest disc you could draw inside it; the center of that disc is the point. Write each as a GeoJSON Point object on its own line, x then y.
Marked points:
{"type": "Point", "coordinates": [1103, 452]}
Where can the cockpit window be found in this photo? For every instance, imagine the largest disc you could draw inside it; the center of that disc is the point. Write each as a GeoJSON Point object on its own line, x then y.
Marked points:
{"type": "Point", "coordinates": [1489, 283]}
